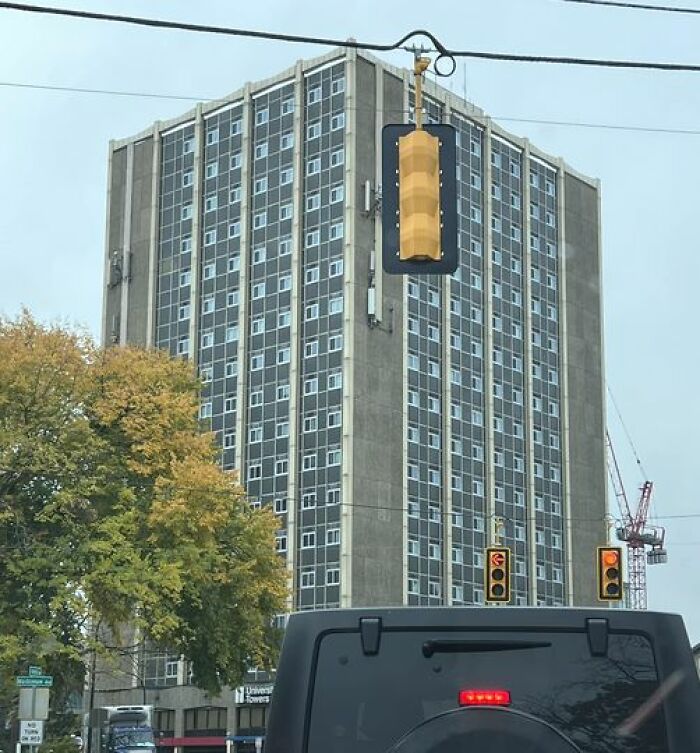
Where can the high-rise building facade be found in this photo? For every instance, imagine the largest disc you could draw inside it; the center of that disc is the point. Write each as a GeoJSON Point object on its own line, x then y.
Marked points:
{"type": "Point", "coordinates": [396, 425]}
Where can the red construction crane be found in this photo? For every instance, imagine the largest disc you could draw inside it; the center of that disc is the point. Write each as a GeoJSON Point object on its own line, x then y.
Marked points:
{"type": "Point", "coordinates": [636, 533]}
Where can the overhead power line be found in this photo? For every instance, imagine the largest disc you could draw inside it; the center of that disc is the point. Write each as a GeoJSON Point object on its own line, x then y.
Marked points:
{"type": "Point", "coordinates": [636, 6]}
{"type": "Point", "coordinates": [444, 52]}
{"type": "Point", "coordinates": [504, 118]}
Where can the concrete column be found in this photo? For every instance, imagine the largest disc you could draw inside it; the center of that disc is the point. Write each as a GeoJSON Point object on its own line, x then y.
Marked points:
{"type": "Point", "coordinates": [564, 381]}
{"type": "Point", "coordinates": [347, 469]}
{"type": "Point", "coordinates": [404, 376]}
{"type": "Point", "coordinates": [379, 123]}
{"type": "Point", "coordinates": [530, 511]}
{"type": "Point", "coordinates": [244, 297]}
{"type": "Point", "coordinates": [489, 411]}
{"type": "Point", "coordinates": [153, 255]}
{"type": "Point", "coordinates": [446, 433]}
{"type": "Point", "coordinates": [126, 244]}
{"type": "Point", "coordinates": [105, 325]}
{"type": "Point", "coordinates": [195, 305]}
{"type": "Point", "coordinates": [295, 385]}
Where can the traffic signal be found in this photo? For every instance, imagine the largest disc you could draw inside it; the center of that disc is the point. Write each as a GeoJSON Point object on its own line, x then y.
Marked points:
{"type": "Point", "coordinates": [609, 573]}
{"type": "Point", "coordinates": [419, 199]}
{"type": "Point", "coordinates": [498, 574]}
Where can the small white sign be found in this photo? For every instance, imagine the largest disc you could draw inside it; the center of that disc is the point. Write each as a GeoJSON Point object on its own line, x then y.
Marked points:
{"type": "Point", "coordinates": [31, 733]}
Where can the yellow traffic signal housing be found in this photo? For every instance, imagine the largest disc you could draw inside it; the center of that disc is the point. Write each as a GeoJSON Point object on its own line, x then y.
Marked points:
{"type": "Point", "coordinates": [419, 197]}
{"type": "Point", "coordinates": [419, 200]}
{"type": "Point", "coordinates": [497, 575]}
{"type": "Point", "coordinates": [610, 573]}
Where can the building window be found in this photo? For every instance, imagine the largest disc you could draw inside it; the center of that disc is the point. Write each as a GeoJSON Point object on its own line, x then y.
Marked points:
{"type": "Point", "coordinates": [433, 588]}
{"type": "Point", "coordinates": [338, 121]}
{"type": "Point", "coordinates": [285, 283]}
{"type": "Point", "coordinates": [313, 95]}
{"type": "Point", "coordinates": [257, 361]}
{"type": "Point", "coordinates": [234, 229]}
{"type": "Point", "coordinates": [309, 462]}
{"type": "Point", "coordinates": [313, 166]}
{"type": "Point", "coordinates": [311, 386]}
{"type": "Point", "coordinates": [335, 380]}
{"type": "Point", "coordinates": [313, 130]}
{"type": "Point", "coordinates": [261, 116]}
{"type": "Point", "coordinates": [333, 457]}
{"type": "Point", "coordinates": [212, 136]}
{"type": "Point", "coordinates": [281, 542]}
{"type": "Point", "coordinates": [283, 392]}
{"type": "Point", "coordinates": [337, 193]}
{"type": "Point", "coordinates": [311, 349]}
{"type": "Point", "coordinates": [281, 466]}
{"type": "Point", "coordinates": [183, 346]}
{"type": "Point", "coordinates": [284, 318]}
{"type": "Point", "coordinates": [308, 579]}
{"type": "Point", "coordinates": [232, 333]}
{"type": "Point", "coordinates": [335, 342]}
{"type": "Point", "coordinates": [335, 304]}
{"type": "Point", "coordinates": [259, 220]}
{"type": "Point", "coordinates": [308, 501]}
{"type": "Point", "coordinates": [210, 237]}
{"type": "Point", "coordinates": [257, 325]}
{"type": "Point", "coordinates": [261, 150]}
{"type": "Point", "coordinates": [283, 355]}
{"type": "Point", "coordinates": [286, 176]}
{"type": "Point", "coordinates": [258, 290]}
{"type": "Point", "coordinates": [308, 540]}
{"type": "Point", "coordinates": [311, 312]}
{"type": "Point", "coordinates": [260, 185]}
{"type": "Point", "coordinates": [332, 576]}
{"type": "Point", "coordinates": [337, 157]}
{"type": "Point", "coordinates": [338, 85]}
{"type": "Point", "coordinates": [333, 497]}
{"type": "Point", "coordinates": [236, 161]}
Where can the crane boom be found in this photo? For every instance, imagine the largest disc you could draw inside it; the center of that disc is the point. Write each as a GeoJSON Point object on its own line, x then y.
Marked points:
{"type": "Point", "coordinates": [635, 532]}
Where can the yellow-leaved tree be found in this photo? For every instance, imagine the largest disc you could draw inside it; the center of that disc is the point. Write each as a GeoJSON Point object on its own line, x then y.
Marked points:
{"type": "Point", "coordinates": [114, 509]}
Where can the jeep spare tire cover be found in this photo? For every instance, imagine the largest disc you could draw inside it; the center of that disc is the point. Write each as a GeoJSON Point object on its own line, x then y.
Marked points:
{"type": "Point", "coordinates": [484, 730]}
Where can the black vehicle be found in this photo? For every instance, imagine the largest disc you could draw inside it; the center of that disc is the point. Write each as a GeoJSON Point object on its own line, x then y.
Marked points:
{"type": "Point", "coordinates": [485, 680]}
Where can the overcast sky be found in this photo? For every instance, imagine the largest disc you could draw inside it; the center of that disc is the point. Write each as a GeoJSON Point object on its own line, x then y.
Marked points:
{"type": "Point", "coordinates": [53, 160]}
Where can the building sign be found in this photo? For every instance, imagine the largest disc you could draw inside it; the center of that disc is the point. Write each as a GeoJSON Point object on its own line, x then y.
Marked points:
{"type": "Point", "coordinates": [254, 694]}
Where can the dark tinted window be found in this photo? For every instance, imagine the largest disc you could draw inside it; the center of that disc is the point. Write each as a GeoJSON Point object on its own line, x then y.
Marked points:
{"type": "Point", "coordinates": [363, 704]}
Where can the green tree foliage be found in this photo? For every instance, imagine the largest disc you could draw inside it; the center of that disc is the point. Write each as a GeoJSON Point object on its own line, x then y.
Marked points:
{"type": "Point", "coordinates": [114, 510]}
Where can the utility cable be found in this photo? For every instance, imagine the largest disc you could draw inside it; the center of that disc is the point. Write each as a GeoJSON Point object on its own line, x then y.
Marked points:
{"type": "Point", "coordinates": [395, 110]}
{"type": "Point", "coordinates": [445, 54]}
{"type": "Point", "coordinates": [635, 6]}
{"type": "Point", "coordinates": [629, 436]}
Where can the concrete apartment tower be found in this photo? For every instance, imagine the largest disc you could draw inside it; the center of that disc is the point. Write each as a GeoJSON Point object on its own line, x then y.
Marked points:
{"type": "Point", "coordinates": [396, 425]}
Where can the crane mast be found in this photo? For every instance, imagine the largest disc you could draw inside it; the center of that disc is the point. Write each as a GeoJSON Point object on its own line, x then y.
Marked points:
{"type": "Point", "coordinates": [635, 532]}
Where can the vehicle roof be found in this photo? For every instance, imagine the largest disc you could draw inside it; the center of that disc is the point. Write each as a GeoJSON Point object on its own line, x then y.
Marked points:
{"type": "Point", "coordinates": [295, 677]}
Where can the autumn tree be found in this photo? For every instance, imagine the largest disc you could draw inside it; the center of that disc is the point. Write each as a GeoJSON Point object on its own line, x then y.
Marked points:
{"type": "Point", "coordinates": [114, 510]}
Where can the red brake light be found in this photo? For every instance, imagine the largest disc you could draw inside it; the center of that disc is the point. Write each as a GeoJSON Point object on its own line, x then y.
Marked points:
{"type": "Point", "coordinates": [484, 698]}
